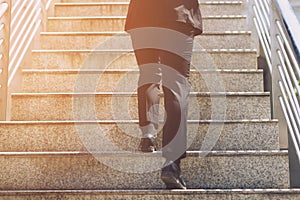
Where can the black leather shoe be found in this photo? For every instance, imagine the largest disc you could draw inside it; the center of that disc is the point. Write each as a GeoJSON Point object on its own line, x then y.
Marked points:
{"type": "Point", "coordinates": [148, 144]}
{"type": "Point", "coordinates": [170, 175]}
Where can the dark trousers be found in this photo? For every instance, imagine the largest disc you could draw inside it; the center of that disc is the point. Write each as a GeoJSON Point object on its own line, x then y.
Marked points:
{"type": "Point", "coordinates": [164, 56]}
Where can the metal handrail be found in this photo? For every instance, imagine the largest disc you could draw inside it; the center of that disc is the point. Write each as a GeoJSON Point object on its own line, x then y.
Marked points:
{"type": "Point", "coordinates": [22, 33]}
{"type": "Point", "coordinates": [4, 52]}
{"type": "Point", "coordinates": [278, 29]}
{"type": "Point", "coordinates": [263, 34]}
{"type": "Point", "coordinates": [3, 8]}
{"type": "Point", "coordinates": [20, 23]}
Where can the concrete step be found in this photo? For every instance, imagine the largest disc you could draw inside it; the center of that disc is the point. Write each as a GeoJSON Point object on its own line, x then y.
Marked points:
{"type": "Point", "coordinates": [37, 136]}
{"type": "Point", "coordinates": [99, 1]}
{"type": "Point", "coordinates": [110, 80]}
{"type": "Point", "coordinates": [123, 106]}
{"type": "Point", "coordinates": [116, 59]}
{"type": "Point", "coordinates": [116, 23]}
{"type": "Point", "coordinates": [203, 194]}
{"type": "Point", "coordinates": [95, 1]}
{"type": "Point", "coordinates": [121, 40]}
{"type": "Point", "coordinates": [120, 8]}
{"type": "Point", "coordinates": [113, 170]}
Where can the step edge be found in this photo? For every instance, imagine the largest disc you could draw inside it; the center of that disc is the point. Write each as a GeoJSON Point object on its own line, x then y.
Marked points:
{"type": "Point", "coordinates": [134, 93]}
{"type": "Point", "coordinates": [228, 153]}
{"type": "Point", "coordinates": [56, 122]}
{"type": "Point", "coordinates": [91, 3]}
{"type": "Point", "coordinates": [124, 17]}
{"type": "Point", "coordinates": [158, 191]}
{"type": "Point", "coordinates": [121, 70]}
{"type": "Point", "coordinates": [127, 3]}
{"type": "Point", "coordinates": [131, 51]}
{"type": "Point", "coordinates": [114, 33]}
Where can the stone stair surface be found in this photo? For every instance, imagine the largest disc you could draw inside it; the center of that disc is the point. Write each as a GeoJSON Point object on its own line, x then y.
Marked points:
{"type": "Point", "coordinates": [120, 8]}
{"type": "Point", "coordinates": [236, 194]}
{"type": "Point", "coordinates": [101, 106]}
{"type": "Point", "coordinates": [55, 136]}
{"type": "Point", "coordinates": [77, 170]}
{"type": "Point", "coordinates": [74, 132]}
{"type": "Point", "coordinates": [107, 40]}
{"type": "Point", "coordinates": [116, 23]}
{"type": "Point", "coordinates": [119, 59]}
{"type": "Point", "coordinates": [109, 80]}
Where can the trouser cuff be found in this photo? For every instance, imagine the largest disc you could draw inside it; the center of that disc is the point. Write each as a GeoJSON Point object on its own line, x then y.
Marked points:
{"type": "Point", "coordinates": [148, 131]}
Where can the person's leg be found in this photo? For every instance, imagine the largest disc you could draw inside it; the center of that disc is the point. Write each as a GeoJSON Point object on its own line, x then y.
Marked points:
{"type": "Point", "coordinates": [176, 87]}
{"type": "Point", "coordinates": [148, 87]}
{"type": "Point", "coordinates": [148, 95]}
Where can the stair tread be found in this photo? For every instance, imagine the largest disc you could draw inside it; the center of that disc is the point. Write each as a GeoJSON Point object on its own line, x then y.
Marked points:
{"type": "Point", "coordinates": [133, 121]}
{"type": "Point", "coordinates": [162, 191]}
{"type": "Point", "coordinates": [130, 50]}
{"type": "Point", "coordinates": [97, 8]}
{"type": "Point", "coordinates": [263, 159]}
{"type": "Point", "coordinates": [125, 33]}
{"type": "Point", "coordinates": [76, 58]}
{"type": "Point", "coordinates": [63, 135]}
{"type": "Point", "coordinates": [134, 70]}
{"type": "Point", "coordinates": [117, 22]}
{"type": "Point", "coordinates": [101, 40]}
{"type": "Point", "coordinates": [85, 171]}
{"type": "Point", "coordinates": [155, 154]}
{"type": "Point", "coordinates": [204, 194]}
{"type": "Point", "coordinates": [124, 17]}
{"type": "Point", "coordinates": [127, 3]}
{"type": "Point", "coordinates": [134, 93]}
{"type": "Point", "coordinates": [60, 106]}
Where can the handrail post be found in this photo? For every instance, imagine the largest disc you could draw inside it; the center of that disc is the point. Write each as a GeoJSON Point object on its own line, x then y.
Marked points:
{"type": "Point", "coordinates": [4, 61]}
{"type": "Point", "coordinates": [250, 25]}
{"type": "Point", "coordinates": [275, 92]}
{"type": "Point", "coordinates": [294, 164]}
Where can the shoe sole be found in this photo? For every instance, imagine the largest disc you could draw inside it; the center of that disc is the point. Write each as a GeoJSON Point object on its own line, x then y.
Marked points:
{"type": "Point", "coordinates": [150, 150]}
{"type": "Point", "coordinates": [172, 183]}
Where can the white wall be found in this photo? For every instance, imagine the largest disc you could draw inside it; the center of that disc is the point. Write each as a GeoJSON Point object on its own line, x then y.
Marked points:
{"type": "Point", "coordinates": [296, 6]}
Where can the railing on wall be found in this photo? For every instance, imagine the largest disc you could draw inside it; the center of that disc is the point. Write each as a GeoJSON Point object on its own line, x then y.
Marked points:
{"type": "Point", "coordinates": [25, 24]}
{"type": "Point", "coordinates": [4, 58]}
{"type": "Point", "coordinates": [21, 21]}
{"type": "Point", "coordinates": [278, 31]}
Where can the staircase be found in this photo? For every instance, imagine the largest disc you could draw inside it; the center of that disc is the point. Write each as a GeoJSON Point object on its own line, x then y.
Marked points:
{"type": "Point", "coordinates": [73, 132]}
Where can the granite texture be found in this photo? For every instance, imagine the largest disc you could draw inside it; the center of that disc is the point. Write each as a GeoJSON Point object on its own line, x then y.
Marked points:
{"type": "Point", "coordinates": [36, 157]}
{"type": "Point", "coordinates": [74, 1]}
{"type": "Point", "coordinates": [72, 136]}
{"type": "Point", "coordinates": [125, 59]}
{"type": "Point", "coordinates": [27, 171]}
{"type": "Point", "coordinates": [219, 59]}
{"type": "Point", "coordinates": [85, 59]}
{"type": "Point", "coordinates": [97, 1]}
{"type": "Point", "coordinates": [124, 107]}
{"type": "Point", "coordinates": [62, 10]}
{"type": "Point", "coordinates": [80, 1]}
{"type": "Point", "coordinates": [122, 41]}
{"type": "Point", "coordinates": [110, 80]}
{"type": "Point", "coordinates": [87, 24]}
{"type": "Point", "coordinates": [291, 194]}
{"type": "Point", "coordinates": [221, 8]}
